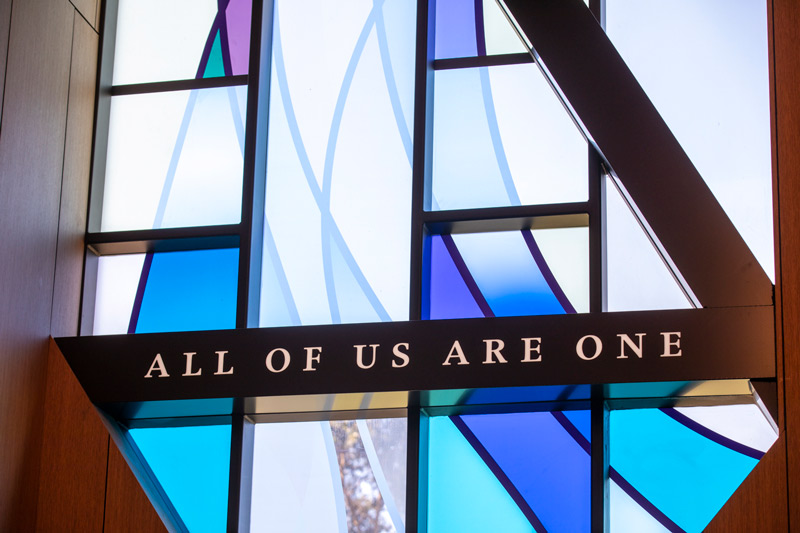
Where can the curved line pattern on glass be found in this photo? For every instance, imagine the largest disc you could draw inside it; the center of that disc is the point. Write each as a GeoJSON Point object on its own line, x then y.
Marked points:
{"type": "Point", "coordinates": [466, 275]}
{"type": "Point", "coordinates": [380, 478]}
{"type": "Point", "coordinates": [712, 435]}
{"type": "Point", "coordinates": [494, 134]}
{"type": "Point", "coordinates": [391, 85]}
{"type": "Point", "coordinates": [558, 292]}
{"type": "Point", "coordinates": [336, 477]}
{"type": "Point", "coordinates": [499, 474]}
{"type": "Point", "coordinates": [330, 232]}
{"type": "Point", "coordinates": [327, 178]}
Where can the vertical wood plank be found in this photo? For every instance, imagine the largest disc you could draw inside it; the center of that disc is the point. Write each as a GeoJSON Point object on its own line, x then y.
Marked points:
{"type": "Point", "coordinates": [75, 180]}
{"type": "Point", "coordinates": [787, 100]}
{"type": "Point", "coordinates": [74, 455]}
{"type": "Point", "coordinates": [5, 27]}
{"type": "Point", "coordinates": [31, 157]}
{"type": "Point", "coordinates": [127, 508]}
{"type": "Point", "coordinates": [87, 10]}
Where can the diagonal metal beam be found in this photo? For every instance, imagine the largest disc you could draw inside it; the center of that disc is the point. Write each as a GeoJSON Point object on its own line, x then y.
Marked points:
{"type": "Point", "coordinates": [607, 102]}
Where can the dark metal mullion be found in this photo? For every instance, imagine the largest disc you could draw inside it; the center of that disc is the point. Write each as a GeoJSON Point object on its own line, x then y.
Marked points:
{"type": "Point", "coordinates": [597, 275]}
{"type": "Point", "coordinates": [178, 85]}
{"type": "Point", "coordinates": [418, 286]}
{"type": "Point", "coordinates": [599, 461]}
{"type": "Point", "coordinates": [482, 61]}
{"type": "Point", "coordinates": [162, 240]}
{"type": "Point", "coordinates": [241, 460]}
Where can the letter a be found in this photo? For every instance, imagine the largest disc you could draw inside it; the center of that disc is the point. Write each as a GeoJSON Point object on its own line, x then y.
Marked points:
{"type": "Point", "coordinates": [158, 364]}
{"type": "Point", "coordinates": [457, 352]}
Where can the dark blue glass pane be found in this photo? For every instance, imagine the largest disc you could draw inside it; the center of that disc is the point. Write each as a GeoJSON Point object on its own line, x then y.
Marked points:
{"type": "Point", "coordinates": [455, 29]}
{"type": "Point", "coordinates": [545, 463]}
{"type": "Point", "coordinates": [449, 295]}
{"type": "Point", "coordinates": [582, 421]}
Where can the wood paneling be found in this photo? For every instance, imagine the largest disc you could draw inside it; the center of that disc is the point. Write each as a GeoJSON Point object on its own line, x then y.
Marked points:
{"type": "Point", "coordinates": [786, 22]}
{"type": "Point", "coordinates": [760, 502]}
{"type": "Point", "coordinates": [87, 10]}
{"type": "Point", "coordinates": [74, 455]}
{"type": "Point", "coordinates": [5, 26]}
{"type": "Point", "coordinates": [31, 157]}
{"type": "Point", "coordinates": [75, 181]}
{"type": "Point", "coordinates": [127, 508]}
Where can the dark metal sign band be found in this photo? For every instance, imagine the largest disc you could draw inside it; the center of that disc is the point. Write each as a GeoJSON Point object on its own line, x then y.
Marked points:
{"type": "Point", "coordinates": [696, 344]}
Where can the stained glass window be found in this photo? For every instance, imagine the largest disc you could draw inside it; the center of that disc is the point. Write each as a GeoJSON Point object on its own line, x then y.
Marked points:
{"type": "Point", "coordinates": [371, 161]}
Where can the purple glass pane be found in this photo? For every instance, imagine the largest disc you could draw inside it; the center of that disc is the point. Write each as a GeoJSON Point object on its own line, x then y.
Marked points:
{"type": "Point", "coordinates": [450, 296]}
{"type": "Point", "coordinates": [455, 29]}
{"type": "Point", "coordinates": [238, 17]}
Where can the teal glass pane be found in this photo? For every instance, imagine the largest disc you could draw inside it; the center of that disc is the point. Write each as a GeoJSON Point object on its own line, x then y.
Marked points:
{"type": "Point", "coordinates": [463, 493]}
{"type": "Point", "coordinates": [676, 469]}
{"type": "Point", "coordinates": [339, 153]}
{"type": "Point", "coordinates": [189, 291]}
{"type": "Point", "coordinates": [329, 476]}
{"type": "Point", "coordinates": [192, 466]}
{"type": "Point", "coordinates": [192, 172]}
{"type": "Point", "coordinates": [502, 138]}
{"type": "Point", "coordinates": [507, 274]}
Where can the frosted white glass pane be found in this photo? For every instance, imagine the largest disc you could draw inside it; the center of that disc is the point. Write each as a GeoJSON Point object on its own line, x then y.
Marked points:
{"type": "Point", "coordinates": [337, 476]}
{"type": "Point", "coordinates": [499, 33]}
{"type": "Point", "coordinates": [746, 423]}
{"type": "Point", "coordinates": [626, 515]}
{"type": "Point", "coordinates": [711, 85]}
{"type": "Point", "coordinates": [338, 188]}
{"type": "Point", "coordinates": [174, 159]}
{"type": "Point", "coordinates": [160, 40]}
{"type": "Point", "coordinates": [117, 281]}
{"type": "Point", "coordinates": [296, 482]}
{"type": "Point", "coordinates": [501, 137]}
{"type": "Point", "coordinates": [637, 277]}
{"type": "Point", "coordinates": [566, 252]}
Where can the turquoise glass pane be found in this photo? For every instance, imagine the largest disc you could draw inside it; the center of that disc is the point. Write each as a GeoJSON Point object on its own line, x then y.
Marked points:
{"type": "Point", "coordinates": [192, 466]}
{"type": "Point", "coordinates": [543, 461]}
{"type": "Point", "coordinates": [685, 475]}
{"type": "Point", "coordinates": [190, 291]}
{"type": "Point", "coordinates": [215, 66]}
{"type": "Point", "coordinates": [501, 138]}
{"type": "Point", "coordinates": [463, 493]}
{"type": "Point", "coordinates": [339, 154]}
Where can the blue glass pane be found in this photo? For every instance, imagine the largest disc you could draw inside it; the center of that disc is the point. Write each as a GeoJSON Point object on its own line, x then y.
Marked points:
{"type": "Point", "coordinates": [545, 463]}
{"type": "Point", "coordinates": [685, 475]}
{"type": "Point", "coordinates": [463, 493]}
{"type": "Point", "coordinates": [455, 29]}
{"type": "Point", "coordinates": [449, 295]}
{"type": "Point", "coordinates": [527, 394]}
{"type": "Point", "coordinates": [192, 465]}
{"type": "Point", "coordinates": [582, 420]}
{"type": "Point", "coordinates": [190, 291]}
{"type": "Point", "coordinates": [507, 274]}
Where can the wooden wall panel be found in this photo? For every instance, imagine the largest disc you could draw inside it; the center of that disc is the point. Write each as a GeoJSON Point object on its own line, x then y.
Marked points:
{"type": "Point", "coordinates": [127, 508]}
{"type": "Point", "coordinates": [5, 26]}
{"type": "Point", "coordinates": [787, 100]}
{"type": "Point", "coordinates": [87, 10]}
{"type": "Point", "coordinates": [74, 455]}
{"type": "Point", "coordinates": [75, 180]}
{"type": "Point", "coordinates": [31, 157]}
